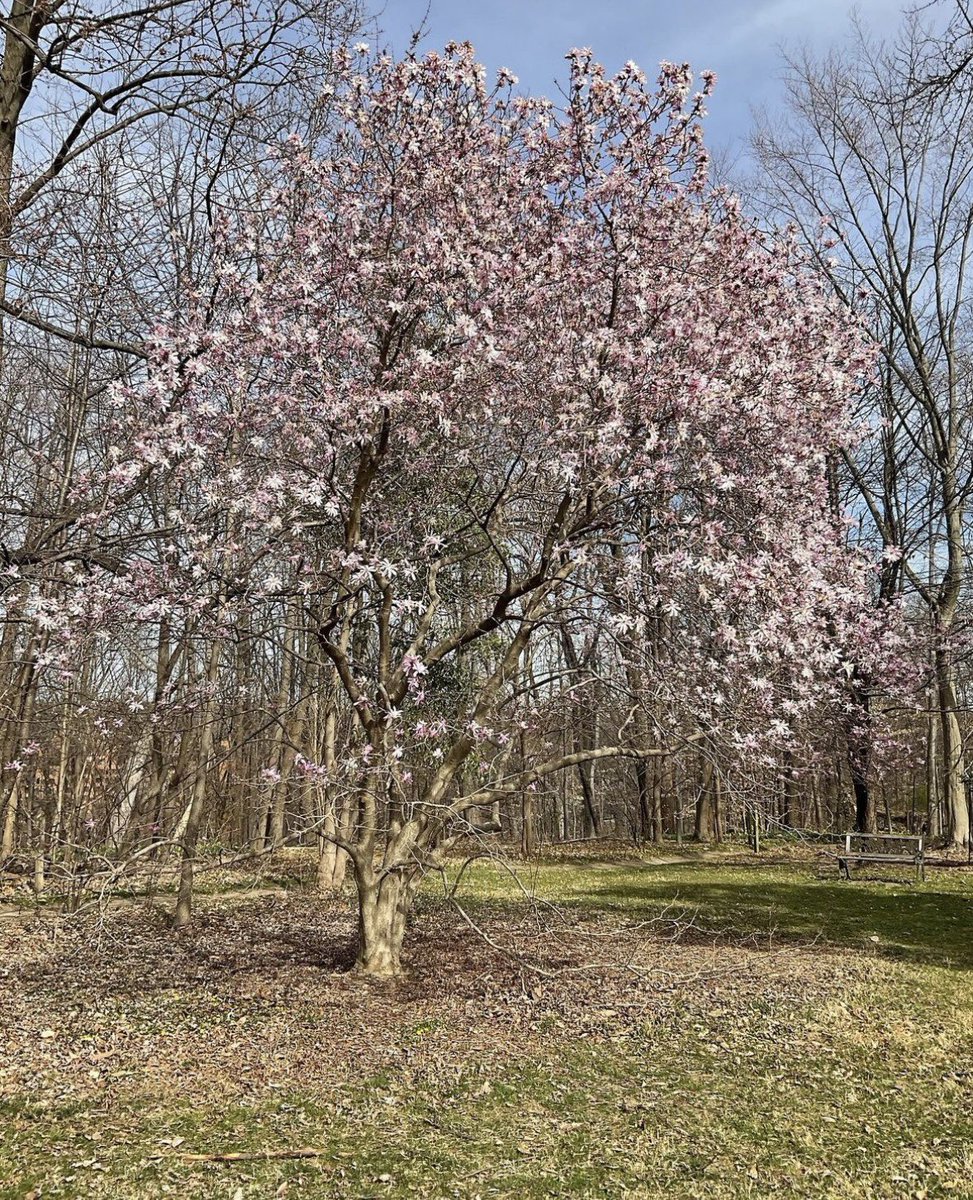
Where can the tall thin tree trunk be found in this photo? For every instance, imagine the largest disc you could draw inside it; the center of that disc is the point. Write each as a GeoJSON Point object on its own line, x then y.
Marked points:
{"type": "Point", "coordinates": [528, 843]}
{"type": "Point", "coordinates": [933, 805]}
{"type": "Point", "coordinates": [184, 902]}
{"type": "Point", "coordinates": [658, 829]}
{"type": "Point", "coordinates": [704, 830]}
{"type": "Point", "coordinates": [953, 765]}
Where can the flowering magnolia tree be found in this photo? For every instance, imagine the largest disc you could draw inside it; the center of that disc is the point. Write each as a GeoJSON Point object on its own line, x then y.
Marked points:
{"type": "Point", "coordinates": [505, 368]}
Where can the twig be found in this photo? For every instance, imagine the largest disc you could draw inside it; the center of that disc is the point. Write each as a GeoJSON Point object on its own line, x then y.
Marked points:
{"type": "Point", "coordinates": [242, 1155]}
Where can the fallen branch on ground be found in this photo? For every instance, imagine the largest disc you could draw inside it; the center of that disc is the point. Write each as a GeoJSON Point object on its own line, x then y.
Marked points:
{"type": "Point", "coordinates": [243, 1155]}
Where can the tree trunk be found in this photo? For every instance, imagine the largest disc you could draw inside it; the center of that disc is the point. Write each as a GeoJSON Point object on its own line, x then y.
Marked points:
{"type": "Point", "coordinates": [332, 859]}
{"type": "Point", "coordinates": [787, 790]}
{"type": "Point", "coordinates": [286, 726]}
{"type": "Point", "coordinates": [28, 697]}
{"type": "Point", "coordinates": [953, 765]}
{"type": "Point", "coordinates": [528, 838]}
{"type": "Point", "coordinates": [592, 826]}
{"type": "Point", "coordinates": [658, 830]}
{"type": "Point", "coordinates": [384, 905]}
{"type": "Point", "coordinates": [933, 807]}
{"type": "Point", "coordinates": [642, 786]}
{"type": "Point", "coordinates": [184, 902]}
{"type": "Point", "coordinates": [866, 819]}
{"type": "Point", "coordinates": [23, 26]}
{"type": "Point", "coordinates": [717, 807]}
{"type": "Point", "coordinates": [704, 831]}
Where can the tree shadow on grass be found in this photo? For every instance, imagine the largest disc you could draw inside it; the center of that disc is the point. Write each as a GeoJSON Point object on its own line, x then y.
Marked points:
{"type": "Point", "coordinates": [891, 919]}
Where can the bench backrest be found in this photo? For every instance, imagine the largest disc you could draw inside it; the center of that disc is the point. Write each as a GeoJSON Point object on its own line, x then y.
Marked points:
{"type": "Point", "coordinates": [913, 842]}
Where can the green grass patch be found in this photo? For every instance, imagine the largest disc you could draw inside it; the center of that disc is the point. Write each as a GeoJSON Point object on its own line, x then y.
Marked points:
{"type": "Point", "coordinates": [882, 912]}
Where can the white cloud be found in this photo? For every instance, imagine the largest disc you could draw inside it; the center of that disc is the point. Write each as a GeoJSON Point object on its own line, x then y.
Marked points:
{"type": "Point", "coordinates": [779, 20]}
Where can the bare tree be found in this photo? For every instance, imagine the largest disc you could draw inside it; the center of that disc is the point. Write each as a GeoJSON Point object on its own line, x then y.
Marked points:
{"type": "Point", "coordinates": [876, 171]}
{"type": "Point", "coordinates": [127, 132]}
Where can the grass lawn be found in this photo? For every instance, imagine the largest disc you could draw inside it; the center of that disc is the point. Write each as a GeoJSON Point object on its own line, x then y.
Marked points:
{"type": "Point", "coordinates": [703, 1028]}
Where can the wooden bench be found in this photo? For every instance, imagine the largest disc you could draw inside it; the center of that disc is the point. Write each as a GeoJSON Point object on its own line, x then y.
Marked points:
{"type": "Point", "coordinates": [913, 851]}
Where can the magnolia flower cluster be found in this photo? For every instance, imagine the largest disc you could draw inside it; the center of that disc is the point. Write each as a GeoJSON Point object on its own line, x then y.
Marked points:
{"type": "Point", "coordinates": [485, 350]}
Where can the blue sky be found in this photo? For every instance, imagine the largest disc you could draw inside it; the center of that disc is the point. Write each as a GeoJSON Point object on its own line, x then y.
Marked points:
{"type": "Point", "coordinates": [739, 39]}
